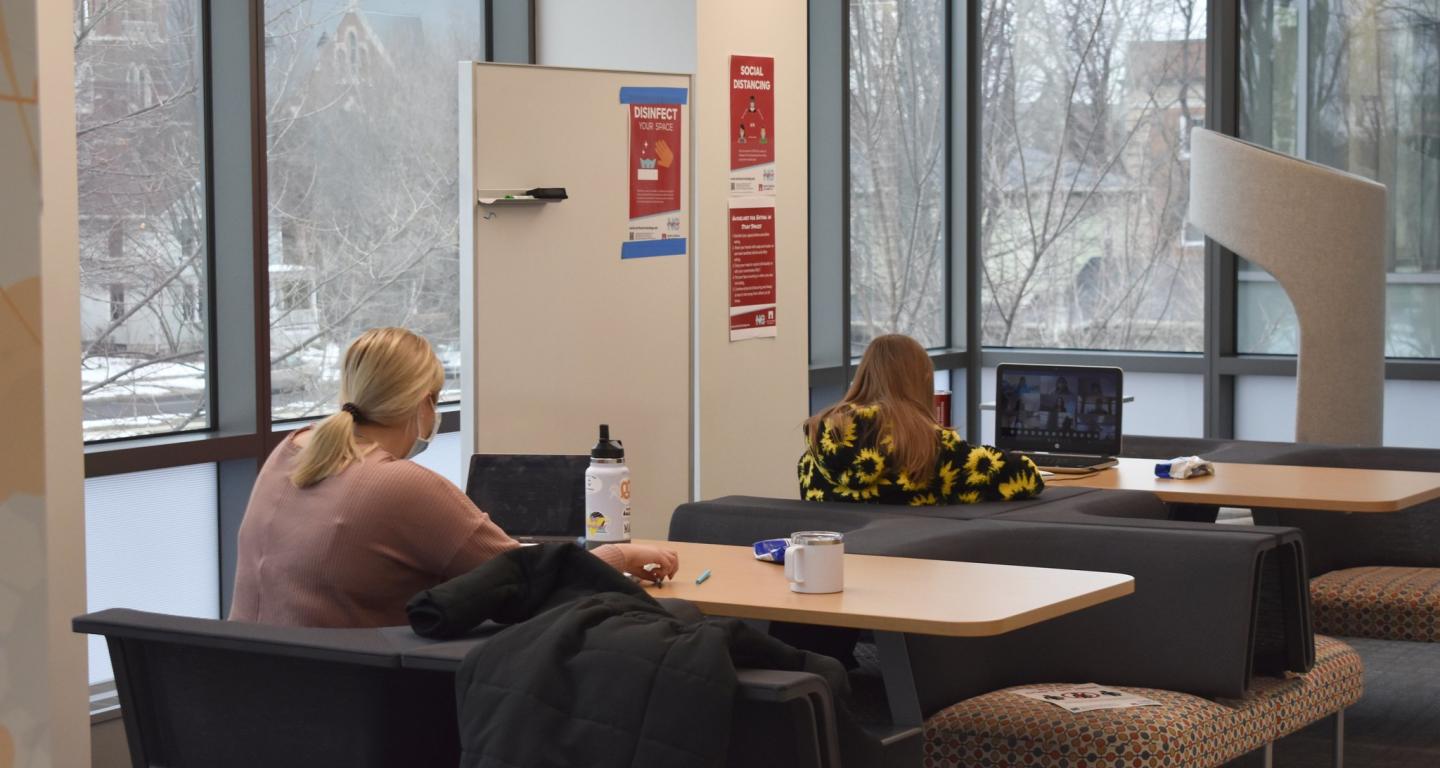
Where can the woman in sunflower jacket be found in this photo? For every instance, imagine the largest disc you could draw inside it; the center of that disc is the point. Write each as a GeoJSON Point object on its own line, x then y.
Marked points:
{"type": "Point", "coordinates": [881, 444]}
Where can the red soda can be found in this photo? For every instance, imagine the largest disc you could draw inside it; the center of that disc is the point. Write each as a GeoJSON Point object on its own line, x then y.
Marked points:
{"type": "Point", "coordinates": [942, 407]}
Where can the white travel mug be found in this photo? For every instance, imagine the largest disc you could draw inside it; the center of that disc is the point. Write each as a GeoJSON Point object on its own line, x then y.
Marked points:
{"type": "Point", "coordinates": [815, 562]}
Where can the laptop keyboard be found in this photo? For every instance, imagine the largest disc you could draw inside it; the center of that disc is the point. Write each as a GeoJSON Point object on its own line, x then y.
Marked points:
{"type": "Point", "coordinates": [1060, 460]}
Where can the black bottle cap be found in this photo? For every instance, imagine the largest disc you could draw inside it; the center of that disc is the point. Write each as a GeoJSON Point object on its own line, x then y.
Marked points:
{"type": "Point", "coordinates": [607, 448]}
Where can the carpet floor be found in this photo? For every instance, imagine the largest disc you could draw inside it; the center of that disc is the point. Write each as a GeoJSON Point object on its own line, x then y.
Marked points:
{"type": "Point", "coordinates": [1397, 722]}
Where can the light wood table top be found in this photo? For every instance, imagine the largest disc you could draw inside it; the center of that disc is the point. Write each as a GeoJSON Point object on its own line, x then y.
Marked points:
{"type": "Point", "coordinates": [932, 597]}
{"type": "Point", "coordinates": [1271, 485]}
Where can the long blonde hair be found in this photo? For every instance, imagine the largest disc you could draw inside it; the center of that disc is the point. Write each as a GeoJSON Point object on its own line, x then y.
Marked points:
{"type": "Point", "coordinates": [896, 374]}
{"type": "Point", "coordinates": [387, 372]}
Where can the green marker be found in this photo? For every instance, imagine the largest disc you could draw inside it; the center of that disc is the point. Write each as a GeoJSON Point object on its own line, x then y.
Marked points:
{"type": "Point", "coordinates": [701, 579]}
{"type": "Point", "coordinates": [509, 197]}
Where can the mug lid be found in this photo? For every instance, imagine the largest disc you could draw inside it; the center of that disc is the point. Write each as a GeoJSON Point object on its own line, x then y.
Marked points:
{"type": "Point", "coordinates": [817, 537]}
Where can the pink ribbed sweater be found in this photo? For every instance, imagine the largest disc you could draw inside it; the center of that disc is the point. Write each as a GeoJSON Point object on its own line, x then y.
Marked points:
{"type": "Point", "coordinates": [352, 549]}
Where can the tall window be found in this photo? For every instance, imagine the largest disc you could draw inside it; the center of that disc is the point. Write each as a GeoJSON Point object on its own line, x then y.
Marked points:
{"type": "Point", "coordinates": [1087, 107]}
{"type": "Point", "coordinates": [142, 203]}
{"type": "Point", "coordinates": [1354, 85]}
{"type": "Point", "coordinates": [362, 182]}
{"type": "Point", "coordinates": [897, 170]}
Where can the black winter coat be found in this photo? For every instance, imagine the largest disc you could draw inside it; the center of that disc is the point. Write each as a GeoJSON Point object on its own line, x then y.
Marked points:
{"type": "Point", "coordinates": [595, 672]}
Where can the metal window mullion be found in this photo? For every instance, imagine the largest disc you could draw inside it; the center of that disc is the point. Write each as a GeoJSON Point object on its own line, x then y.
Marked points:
{"type": "Point", "coordinates": [213, 384]}
{"type": "Point", "coordinates": [1180, 363]}
{"type": "Point", "coordinates": [510, 31]}
{"type": "Point", "coordinates": [845, 248]}
{"type": "Point", "coordinates": [948, 270]}
{"type": "Point", "coordinates": [827, 224]}
{"type": "Point", "coordinates": [488, 13]}
{"type": "Point", "coordinates": [1302, 78]}
{"type": "Point", "coordinates": [240, 305]}
{"type": "Point", "coordinates": [974, 338]}
{"type": "Point", "coordinates": [1222, 114]}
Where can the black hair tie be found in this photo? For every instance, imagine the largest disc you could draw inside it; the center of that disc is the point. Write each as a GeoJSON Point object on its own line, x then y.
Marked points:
{"type": "Point", "coordinates": [353, 410]}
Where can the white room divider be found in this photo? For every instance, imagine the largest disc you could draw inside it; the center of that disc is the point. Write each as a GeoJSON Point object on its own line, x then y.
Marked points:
{"type": "Point", "coordinates": [559, 333]}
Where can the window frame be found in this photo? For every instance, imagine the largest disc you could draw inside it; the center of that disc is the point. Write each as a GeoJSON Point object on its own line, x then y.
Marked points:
{"type": "Point", "coordinates": [242, 433]}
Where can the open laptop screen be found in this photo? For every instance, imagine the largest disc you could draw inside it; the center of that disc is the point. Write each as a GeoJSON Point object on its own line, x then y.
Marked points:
{"type": "Point", "coordinates": [1059, 409]}
{"type": "Point", "coordinates": [530, 495]}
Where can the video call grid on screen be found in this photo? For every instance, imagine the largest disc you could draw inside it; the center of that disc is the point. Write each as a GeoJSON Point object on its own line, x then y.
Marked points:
{"type": "Point", "coordinates": [1078, 408]}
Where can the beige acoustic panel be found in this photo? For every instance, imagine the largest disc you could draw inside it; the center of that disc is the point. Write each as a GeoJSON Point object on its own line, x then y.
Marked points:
{"type": "Point", "coordinates": [561, 333]}
{"type": "Point", "coordinates": [1321, 233]}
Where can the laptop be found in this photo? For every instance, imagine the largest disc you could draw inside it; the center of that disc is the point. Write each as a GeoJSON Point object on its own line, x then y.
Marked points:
{"type": "Point", "coordinates": [537, 499]}
{"type": "Point", "coordinates": [1066, 418]}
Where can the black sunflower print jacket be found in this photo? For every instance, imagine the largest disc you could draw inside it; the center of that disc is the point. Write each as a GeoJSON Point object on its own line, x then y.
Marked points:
{"type": "Point", "coordinates": [857, 466]}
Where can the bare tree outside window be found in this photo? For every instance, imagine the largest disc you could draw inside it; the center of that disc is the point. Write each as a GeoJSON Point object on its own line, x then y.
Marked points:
{"type": "Point", "coordinates": [1084, 170]}
{"type": "Point", "coordinates": [142, 216]}
{"type": "Point", "coordinates": [361, 115]}
{"type": "Point", "coordinates": [1369, 104]}
{"type": "Point", "coordinates": [897, 170]}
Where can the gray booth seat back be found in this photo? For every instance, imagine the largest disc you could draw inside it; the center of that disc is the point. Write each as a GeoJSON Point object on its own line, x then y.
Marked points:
{"type": "Point", "coordinates": [1214, 449]}
{"type": "Point", "coordinates": [197, 692]}
{"type": "Point", "coordinates": [1189, 626]}
{"type": "Point", "coordinates": [1284, 636]}
{"type": "Point", "coordinates": [200, 692]}
{"type": "Point", "coordinates": [1151, 447]}
{"type": "Point", "coordinates": [1192, 624]}
{"type": "Point", "coordinates": [1335, 540]}
{"type": "Point", "coordinates": [752, 518]}
{"type": "Point", "coordinates": [1056, 497]}
{"type": "Point", "coordinates": [1064, 504]}
{"type": "Point", "coordinates": [748, 519]}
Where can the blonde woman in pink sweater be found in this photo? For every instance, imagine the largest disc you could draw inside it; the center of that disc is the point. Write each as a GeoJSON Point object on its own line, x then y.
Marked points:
{"type": "Point", "coordinates": [342, 528]}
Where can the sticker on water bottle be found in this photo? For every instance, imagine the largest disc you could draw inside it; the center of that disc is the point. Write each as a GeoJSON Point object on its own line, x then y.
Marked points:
{"type": "Point", "coordinates": [595, 524]}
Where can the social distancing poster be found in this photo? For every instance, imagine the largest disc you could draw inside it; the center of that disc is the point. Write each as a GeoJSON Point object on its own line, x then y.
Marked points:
{"type": "Point", "coordinates": [753, 296]}
{"type": "Point", "coordinates": [752, 125]}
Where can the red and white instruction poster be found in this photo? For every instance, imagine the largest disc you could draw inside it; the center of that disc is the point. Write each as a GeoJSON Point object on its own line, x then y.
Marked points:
{"type": "Point", "coordinates": [752, 125]}
{"type": "Point", "coordinates": [752, 267]}
{"type": "Point", "coordinates": [657, 226]}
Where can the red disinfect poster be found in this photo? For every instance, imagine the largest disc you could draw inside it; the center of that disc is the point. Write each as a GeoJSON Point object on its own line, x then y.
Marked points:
{"type": "Point", "coordinates": [655, 180]}
{"type": "Point", "coordinates": [752, 125]}
{"type": "Point", "coordinates": [752, 267]}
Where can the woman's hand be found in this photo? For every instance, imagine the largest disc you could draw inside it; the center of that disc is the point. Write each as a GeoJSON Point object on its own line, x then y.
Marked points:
{"type": "Point", "coordinates": [637, 556]}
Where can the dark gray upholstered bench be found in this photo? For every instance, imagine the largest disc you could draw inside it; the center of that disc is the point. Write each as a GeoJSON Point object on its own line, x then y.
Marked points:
{"type": "Point", "coordinates": [1372, 575]}
{"type": "Point", "coordinates": [1375, 576]}
{"type": "Point", "coordinates": [1220, 613]}
{"type": "Point", "coordinates": [201, 692]}
{"type": "Point", "coordinates": [1002, 729]}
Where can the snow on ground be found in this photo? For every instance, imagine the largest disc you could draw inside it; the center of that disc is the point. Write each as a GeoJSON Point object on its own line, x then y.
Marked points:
{"type": "Point", "coordinates": [147, 399]}
{"type": "Point", "coordinates": [170, 376]}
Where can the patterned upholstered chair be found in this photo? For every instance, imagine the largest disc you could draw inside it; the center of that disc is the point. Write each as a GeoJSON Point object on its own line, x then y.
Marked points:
{"type": "Point", "coordinates": [1003, 730]}
{"type": "Point", "coordinates": [1385, 602]}
{"type": "Point", "coordinates": [1374, 576]}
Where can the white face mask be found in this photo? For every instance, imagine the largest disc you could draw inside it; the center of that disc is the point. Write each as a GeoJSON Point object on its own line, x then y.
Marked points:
{"type": "Point", "coordinates": [421, 443]}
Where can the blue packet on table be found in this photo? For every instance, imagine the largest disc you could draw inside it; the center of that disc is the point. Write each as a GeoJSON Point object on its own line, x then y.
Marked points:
{"type": "Point", "coordinates": [1182, 467]}
{"type": "Point", "coordinates": [771, 550]}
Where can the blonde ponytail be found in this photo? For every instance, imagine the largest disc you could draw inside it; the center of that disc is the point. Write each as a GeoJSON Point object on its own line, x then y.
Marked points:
{"type": "Point", "coordinates": [386, 373]}
{"type": "Point", "coordinates": [332, 447]}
